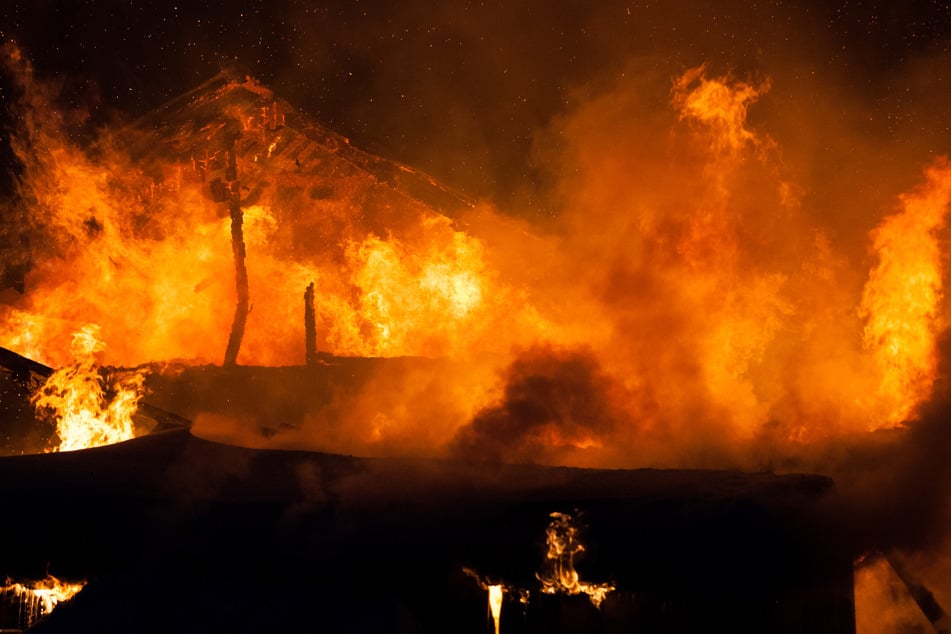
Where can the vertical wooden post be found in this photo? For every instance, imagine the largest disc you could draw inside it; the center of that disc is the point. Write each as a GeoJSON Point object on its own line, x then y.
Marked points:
{"type": "Point", "coordinates": [238, 249]}
{"type": "Point", "coordinates": [310, 326]}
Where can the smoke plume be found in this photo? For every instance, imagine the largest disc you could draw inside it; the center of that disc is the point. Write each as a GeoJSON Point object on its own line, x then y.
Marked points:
{"type": "Point", "coordinates": [554, 403]}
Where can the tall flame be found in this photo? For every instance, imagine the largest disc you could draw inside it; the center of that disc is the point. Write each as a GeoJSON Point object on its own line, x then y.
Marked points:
{"type": "Point", "coordinates": [901, 302]}
{"type": "Point", "coordinates": [75, 398]}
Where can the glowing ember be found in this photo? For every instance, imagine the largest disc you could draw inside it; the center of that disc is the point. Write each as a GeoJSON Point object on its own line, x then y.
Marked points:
{"type": "Point", "coordinates": [75, 398]}
{"type": "Point", "coordinates": [559, 574]}
{"type": "Point", "coordinates": [37, 599]}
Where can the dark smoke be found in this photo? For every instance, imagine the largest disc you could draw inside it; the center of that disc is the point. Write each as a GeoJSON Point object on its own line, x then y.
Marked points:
{"type": "Point", "coordinates": [554, 403]}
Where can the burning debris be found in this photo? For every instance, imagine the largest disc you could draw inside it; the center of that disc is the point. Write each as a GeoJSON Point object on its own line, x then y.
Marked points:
{"type": "Point", "coordinates": [29, 429]}
{"type": "Point", "coordinates": [75, 398]}
{"type": "Point", "coordinates": [560, 574]}
{"type": "Point", "coordinates": [143, 215]}
{"type": "Point", "coordinates": [25, 603]}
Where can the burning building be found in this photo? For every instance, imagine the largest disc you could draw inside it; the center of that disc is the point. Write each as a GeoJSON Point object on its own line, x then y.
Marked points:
{"type": "Point", "coordinates": [301, 302]}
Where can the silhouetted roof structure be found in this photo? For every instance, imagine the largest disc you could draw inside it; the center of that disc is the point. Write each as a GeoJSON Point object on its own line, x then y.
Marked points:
{"type": "Point", "coordinates": [282, 153]}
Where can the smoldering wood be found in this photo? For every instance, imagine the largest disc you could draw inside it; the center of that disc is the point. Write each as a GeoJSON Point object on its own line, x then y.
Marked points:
{"type": "Point", "coordinates": [310, 326]}
{"type": "Point", "coordinates": [240, 283]}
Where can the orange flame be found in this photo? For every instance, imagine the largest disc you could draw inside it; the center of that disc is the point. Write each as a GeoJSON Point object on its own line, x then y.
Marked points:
{"type": "Point", "coordinates": [37, 599]}
{"type": "Point", "coordinates": [496, 593]}
{"type": "Point", "coordinates": [901, 300]}
{"type": "Point", "coordinates": [75, 399]}
{"type": "Point", "coordinates": [106, 231]}
{"type": "Point", "coordinates": [559, 575]}
{"type": "Point", "coordinates": [495, 604]}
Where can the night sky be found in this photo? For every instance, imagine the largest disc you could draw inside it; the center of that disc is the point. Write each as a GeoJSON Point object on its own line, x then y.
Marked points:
{"type": "Point", "coordinates": [461, 89]}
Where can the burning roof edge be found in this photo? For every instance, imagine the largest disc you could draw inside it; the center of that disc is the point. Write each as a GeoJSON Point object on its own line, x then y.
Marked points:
{"type": "Point", "coordinates": [31, 374]}
{"type": "Point", "coordinates": [404, 179]}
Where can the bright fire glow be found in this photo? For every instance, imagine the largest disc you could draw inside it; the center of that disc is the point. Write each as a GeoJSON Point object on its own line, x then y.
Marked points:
{"type": "Point", "coordinates": [495, 604]}
{"type": "Point", "coordinates": [74, 397]}
{"type": "Point", "coordinates": [559, 574]}
{"type": "Point", "coordinates": [901, 301]}
{"type": "Point", "coordinates": [718, 103]}
{"type": "Point", "coordinates": [719, 310]}
{"type": "Point", "coordinates": [496, 592]}
{"type": "Point", "coordinates": [148, 257]}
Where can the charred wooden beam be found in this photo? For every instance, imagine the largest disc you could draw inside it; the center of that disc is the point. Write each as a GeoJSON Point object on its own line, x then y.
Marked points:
{"type": "Point", "coordinates": [240, 254]}
{"type": "Point", "coordinates": [310, 326]}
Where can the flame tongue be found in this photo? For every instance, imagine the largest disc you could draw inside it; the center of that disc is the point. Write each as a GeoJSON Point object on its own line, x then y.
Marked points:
{"type": "Point", "coordinates": [75, 399]}
{"type": "Point", "coordinates": [559, 574]}
{"type": "Point", "coordinates": [901, 299]}
{"type": "Point", "coordinates": [145, 242]}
